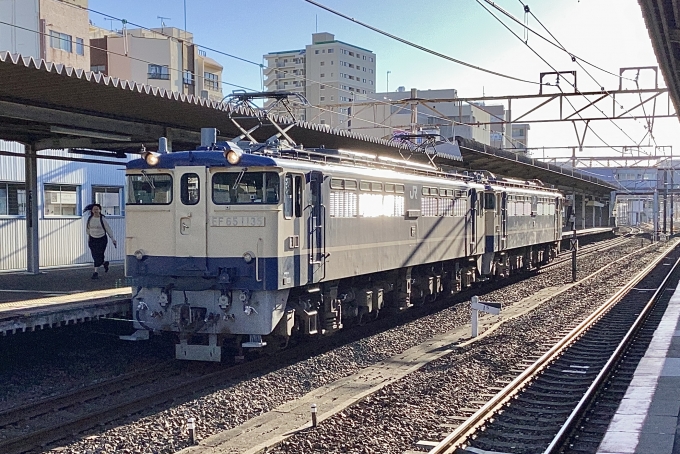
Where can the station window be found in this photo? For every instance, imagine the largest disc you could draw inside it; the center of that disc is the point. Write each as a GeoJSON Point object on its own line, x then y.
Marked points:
{"type": "Point", "coordinates": [12, 199]}
{"type": "Point", "coordinates": [109, 198]}
{"type": "Point", "coordinates": [190, 191]}
{"type": "Point", "coordinates": [61, 200]}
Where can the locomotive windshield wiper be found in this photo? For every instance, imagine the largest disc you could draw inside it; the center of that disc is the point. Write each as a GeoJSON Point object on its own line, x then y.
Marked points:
{"type": "Point", "coordinates": [148, 180]}
{"type": "Point", "coordinates": [240, 177]}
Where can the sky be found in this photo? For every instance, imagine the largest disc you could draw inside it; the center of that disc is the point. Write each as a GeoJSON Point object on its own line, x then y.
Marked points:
{"type": "Point", "coordinates": [610, 34]}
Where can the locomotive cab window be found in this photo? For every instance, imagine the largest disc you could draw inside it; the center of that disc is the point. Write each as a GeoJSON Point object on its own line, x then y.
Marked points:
{"type": "Point", "coordinates": [149, 189]}
{"type": "Point", "coordinates": [239, 188]}
{"type": "Point", "coordinates": [489, 201]}
{"type": "Point", "coordinates": [292, 196]}
{"type": "Point", "coordinates": [189, 189]}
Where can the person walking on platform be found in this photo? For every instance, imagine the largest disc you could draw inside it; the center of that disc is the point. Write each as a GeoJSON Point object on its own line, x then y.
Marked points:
{"type": "Point", "coordinates": [97, 231]}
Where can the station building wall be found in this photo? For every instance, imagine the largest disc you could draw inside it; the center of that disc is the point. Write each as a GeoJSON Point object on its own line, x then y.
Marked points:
{"type": "Point", "coordinates": [64, 189]}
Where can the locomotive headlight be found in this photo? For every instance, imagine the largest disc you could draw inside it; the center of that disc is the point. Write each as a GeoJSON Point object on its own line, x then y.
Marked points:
{"type": "Point", "coordinates": [151, 158]}
{"type": "Point", "coordinates": [139, 254]}
{"type": "Point", "coordinates": [233, 156]}
{"type": "Point", "coordinates": [248, 257]}
{"type": "Point", "coordinates": [233, 153]}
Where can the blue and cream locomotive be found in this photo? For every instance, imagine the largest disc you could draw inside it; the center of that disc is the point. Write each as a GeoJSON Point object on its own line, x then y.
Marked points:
{"type": "Point", "coordinates": [254, 243]}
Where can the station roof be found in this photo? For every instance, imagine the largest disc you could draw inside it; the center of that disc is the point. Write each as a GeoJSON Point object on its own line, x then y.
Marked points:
{"type": "Point", "coordinates": [51, 106]}
{"type": "Point", "coordinates": [662, 18]}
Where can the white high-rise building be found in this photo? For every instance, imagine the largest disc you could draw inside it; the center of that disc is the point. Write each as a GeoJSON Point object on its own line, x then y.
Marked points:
{"type": "Point", "coordinates": [325, 72]}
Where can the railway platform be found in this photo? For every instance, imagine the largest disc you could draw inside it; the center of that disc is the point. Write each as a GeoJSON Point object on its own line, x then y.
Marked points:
{"type": "Point", "coordinates": [61, 296]}
{"type": "Point", "coordinates": [589, 232]}
{"type": "Point", "coordinates": [646, 420]}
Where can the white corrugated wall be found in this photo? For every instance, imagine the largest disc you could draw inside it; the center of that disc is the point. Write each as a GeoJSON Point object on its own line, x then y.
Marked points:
{"type": "Point", "coordinates": [62, 239]}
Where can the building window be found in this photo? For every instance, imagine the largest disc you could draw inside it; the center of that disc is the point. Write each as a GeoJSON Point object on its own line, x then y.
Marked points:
{"type": "Point", "coordinates": [12, 199]}
{"type": "Point", "coordinates": [322, 98]}
{"type": "Point", "coordinates": [158, 72]}
{"type": "Point", "coordinates": [211, 81]}
{"type": "Point", "coordinates": [323, 75]}
{"type": "Point", "coordinates": [371, 59]}
{"type": "Point", "coordinates": [188, 78]}
{"type": "Point", "coordinates": [61, 41]}
{"type": "Point", "coordinates": [316, 51]}
{"type": "Point", "coordinates": [322, 63]}
{"type": "Point", "coordinates": [80, 46]}
{"type": "Point", "coordinates": [322, 87]}
{"type": "Point", "coordinates": [109, 198]}
{"type": "Point", "coordinates": [61, 200]}
{"type": "Point", "coordinates": [98, 69]}
{"type": "Point", "coordinates": [330, 51]}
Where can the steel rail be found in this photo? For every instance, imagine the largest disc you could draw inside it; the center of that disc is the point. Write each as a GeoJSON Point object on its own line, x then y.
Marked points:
{"type": "Point", "coordinates": [582, 405]}
{"type": "Point", "coordinates": [481, 416]}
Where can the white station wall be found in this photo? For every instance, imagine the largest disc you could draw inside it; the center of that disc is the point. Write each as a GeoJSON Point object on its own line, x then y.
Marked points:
{"type": "Point", "coordinates": [63, 239]}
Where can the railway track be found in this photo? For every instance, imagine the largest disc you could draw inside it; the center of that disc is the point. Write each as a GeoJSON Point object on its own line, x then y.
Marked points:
{"type": "Point", "coordinates": [539, 410]}
{"type": "Point", "coordinates": [80, 421]}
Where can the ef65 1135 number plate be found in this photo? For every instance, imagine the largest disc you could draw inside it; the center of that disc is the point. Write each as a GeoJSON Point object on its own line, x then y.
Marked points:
{"type": "Point", "coordinates": [237, 221]}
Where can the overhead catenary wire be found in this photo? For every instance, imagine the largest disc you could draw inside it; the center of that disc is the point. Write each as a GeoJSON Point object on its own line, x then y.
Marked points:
{"type": "Point", "coordinates": [557, 44]}
{"type": "Point", "coordinates": [261, 65]}
{"type": "Point", "coordinates": [578, 60]}
{"type": "Point", "coordinates": [417, 46]}
{"type": "Point", "coordinates": [553, 68]}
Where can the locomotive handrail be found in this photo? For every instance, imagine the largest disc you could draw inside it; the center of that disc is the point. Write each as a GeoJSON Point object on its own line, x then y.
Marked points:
{"type": "Point", "coordinates": [323, 238]}
{"type": "Point", "coordinates": [257, 260]}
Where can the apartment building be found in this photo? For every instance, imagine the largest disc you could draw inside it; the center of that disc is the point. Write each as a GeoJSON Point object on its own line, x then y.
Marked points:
{"type": "Point", "coordinates": [326, 72]}
{"type": "Point", "coordinates": [161, 57]}
{"type": "Point", "coordinates": [54, 30]}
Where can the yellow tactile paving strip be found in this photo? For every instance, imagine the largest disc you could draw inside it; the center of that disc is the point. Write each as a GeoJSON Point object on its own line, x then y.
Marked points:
{"type": "Point", "coordinates": [123, 292]}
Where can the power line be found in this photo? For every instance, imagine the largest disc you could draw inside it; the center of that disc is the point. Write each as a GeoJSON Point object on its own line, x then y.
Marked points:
{"type": "Point", "coordinates": [553, 68]}
{"type": "Point", "coordinates": [574, 57]}
{"type": "Point", "coordinates": [576, 60]}
{"type": "Point", "coordinates": [260, 65]}
{"type": "Point", "coordinates": [417, 46]}
{"type": "Point", "coordinates": [125, 21]}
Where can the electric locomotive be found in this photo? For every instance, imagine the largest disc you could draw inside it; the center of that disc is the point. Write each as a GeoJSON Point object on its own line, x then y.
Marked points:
{"type": "Point", "coordinates": [248, 244]}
